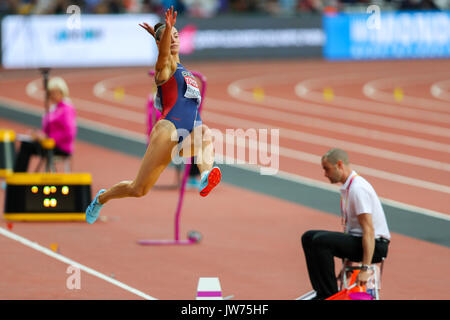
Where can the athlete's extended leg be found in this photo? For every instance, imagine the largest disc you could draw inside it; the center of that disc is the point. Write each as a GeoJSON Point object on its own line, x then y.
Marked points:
{"type": "Point", "coordinates": [199, 144]}
{"type": "Point", "coordinates": [156, 159]}
{"type": "Point", "coordinates": [210, 176]}
{"type": "Point", "coordinates": [203, 148]}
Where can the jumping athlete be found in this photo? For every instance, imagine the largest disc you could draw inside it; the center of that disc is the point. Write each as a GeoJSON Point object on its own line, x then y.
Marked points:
{"type": "Point", "coordinates": [180, 126]}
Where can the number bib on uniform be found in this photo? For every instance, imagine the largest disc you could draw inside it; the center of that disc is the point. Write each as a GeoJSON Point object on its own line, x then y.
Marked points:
{"type": "Point", "coordinates": [173, 89]}
{"type": "Point", "coordinates": [192, 89]}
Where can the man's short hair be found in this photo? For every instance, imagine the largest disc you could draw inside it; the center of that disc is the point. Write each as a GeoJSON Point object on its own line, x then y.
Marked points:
{"type": "Point", "coordinates": [336, 154]}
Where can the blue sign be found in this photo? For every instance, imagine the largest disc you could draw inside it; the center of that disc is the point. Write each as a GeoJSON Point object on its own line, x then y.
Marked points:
{"type": "Point", "coordinates": [393, 35]}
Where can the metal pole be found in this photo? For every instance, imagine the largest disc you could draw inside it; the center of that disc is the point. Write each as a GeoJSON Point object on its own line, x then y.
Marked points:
{"type": "Point", "coordinates": [45, 73]}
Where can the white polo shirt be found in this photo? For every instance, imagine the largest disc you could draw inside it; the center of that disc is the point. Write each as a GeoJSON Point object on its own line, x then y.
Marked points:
{"type": "Point", "coordinates": [362, 198]}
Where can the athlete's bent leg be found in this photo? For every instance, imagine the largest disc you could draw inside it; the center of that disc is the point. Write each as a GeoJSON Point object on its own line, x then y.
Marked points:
{"type": "Point", "coordinates": [204, 149]}
{"type": "Point", "coordinates": [156, 159]}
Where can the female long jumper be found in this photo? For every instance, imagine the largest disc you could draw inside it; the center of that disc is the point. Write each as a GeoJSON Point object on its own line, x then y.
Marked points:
{"type": "Point", "coordinates": [178, 98]}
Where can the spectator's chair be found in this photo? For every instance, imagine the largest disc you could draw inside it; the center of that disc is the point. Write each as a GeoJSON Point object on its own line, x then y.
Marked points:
{"type": "Point", "coordinates": [373, 285]}
{"type": "Point", "coordinates": [50, 159]}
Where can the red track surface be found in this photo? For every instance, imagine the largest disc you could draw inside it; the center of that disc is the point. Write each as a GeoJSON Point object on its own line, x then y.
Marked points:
{"type": "Point", "coordinates": [251, 242]}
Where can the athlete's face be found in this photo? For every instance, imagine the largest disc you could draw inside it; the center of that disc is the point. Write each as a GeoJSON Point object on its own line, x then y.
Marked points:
{"type": "Point", "coordinates": [332, 171]}
{"type": "Point", "coordinates": [174, 41]}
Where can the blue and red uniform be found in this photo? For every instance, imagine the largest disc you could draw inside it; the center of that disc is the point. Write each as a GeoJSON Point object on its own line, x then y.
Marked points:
{"type": "Point", "coordinates": [179, 99]}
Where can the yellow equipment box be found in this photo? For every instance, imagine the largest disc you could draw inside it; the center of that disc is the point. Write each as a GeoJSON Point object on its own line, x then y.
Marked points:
{"type": "Point", "coordinates": [47, 196]}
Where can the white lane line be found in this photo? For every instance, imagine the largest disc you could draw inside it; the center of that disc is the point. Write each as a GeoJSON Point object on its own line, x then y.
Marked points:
{"type": "Point", "coordinates": [307, 157]}
{"type": "Point", "coordinates": [294, 154]}
{"type": "Point", "coordinates": [423, 211]}
{"type": "Point", "coordinates": [441, 90]}
{"type": "Point", "coordinates": [281, 174]}
{"type": "Point", "coordinates": [334, 188]}
{"type": "Point", "coordinates": [310, 138]}
{"type": "Point", "coordinates": [380, 174]}
{"type": "Point", "coordinates": [376, 90]}
{"type": "Point", "coordinates": [308, 90]}
{"type": "Point", "coordinates": [312, 122]}
{"type": "Point", "coordinates": [34, 90]}
{"type": "Point", "coordinates": [102, 90]}
{"type": "Point", "coordinates": [19, 75]}
{"type": "Point", "coordinates": [59, 257]}
{"type": "Point", "coordinates": [90, 124]}
{"type": "Point", "coordinates": [329, 142]}
{"type": "Point", "coordinates": [237, 92]}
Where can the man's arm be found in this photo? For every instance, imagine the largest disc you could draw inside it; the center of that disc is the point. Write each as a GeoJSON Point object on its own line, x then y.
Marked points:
{"type": "Point", "coordinates": [368, 244]}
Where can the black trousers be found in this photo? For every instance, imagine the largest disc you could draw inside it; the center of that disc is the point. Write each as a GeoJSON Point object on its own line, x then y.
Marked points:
{"type": "Point", "coordinates": [320, 248]}
{"type": "Point", "coordinates": [29, 148]}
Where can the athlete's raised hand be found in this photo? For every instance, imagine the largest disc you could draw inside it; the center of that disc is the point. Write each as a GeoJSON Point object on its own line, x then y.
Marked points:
{"type": "Point", "coordinates": [148, 28]}
{"type": "Point", "coordinates": [171, 17]}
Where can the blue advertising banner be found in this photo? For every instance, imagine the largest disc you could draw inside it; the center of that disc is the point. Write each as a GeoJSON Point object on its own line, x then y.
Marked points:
{"type": "Point", "coordinates": [390, 35]}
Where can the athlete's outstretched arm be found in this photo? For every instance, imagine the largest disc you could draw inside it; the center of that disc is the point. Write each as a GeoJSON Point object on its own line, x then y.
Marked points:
{"type": "Point", "coordinates": [149, 29]}
{"type": "Point", "coordinates": [166, 39]}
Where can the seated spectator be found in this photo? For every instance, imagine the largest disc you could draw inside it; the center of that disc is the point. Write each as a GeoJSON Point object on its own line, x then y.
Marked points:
{"type": "Point", "coordinates": [59, 123]}
{"type": "Point", "coordinates": [242, 6]}
{"type": "Point", "coordinates": [9, 7]}
{"type": "Point", "coordinates": [153, 6]}
{"type": "Point", "coordinates": [418, 5]}
{"type": "Point", "coordinates": [201, 8]}
{"type": "Point", "coordinates": [315, 6]}
{"type": "Point", "coordinates": [176, 4]}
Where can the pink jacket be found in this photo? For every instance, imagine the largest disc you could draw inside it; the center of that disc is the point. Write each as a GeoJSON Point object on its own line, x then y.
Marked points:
{"type": "Point", "coordinates": [60, 124]}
